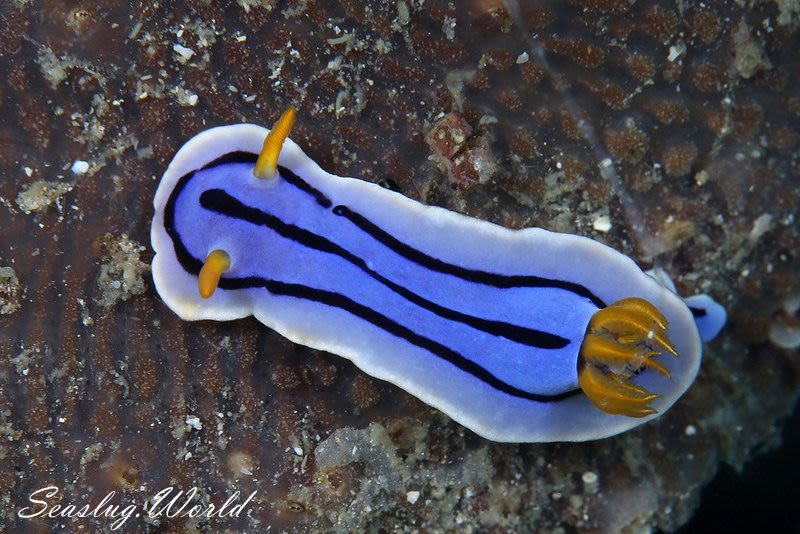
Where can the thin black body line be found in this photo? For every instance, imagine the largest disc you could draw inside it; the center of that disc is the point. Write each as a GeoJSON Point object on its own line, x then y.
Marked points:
{"type": "Point", "coordinates": [193, 265]}
{"type": "Point", "coordinates": [430, 262]}
{"type": "Point", "coordinates": [220, 202]}
{"type": "Point", "coordinates": [471, 275]}
{"type": "Point", "coordinates": [238, 156]}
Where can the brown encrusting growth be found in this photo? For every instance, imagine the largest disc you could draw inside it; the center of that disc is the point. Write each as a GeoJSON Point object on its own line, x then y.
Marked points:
{"type": "Point", "coordinates": [103, 388]}
{"type": "Point", "coordinates": [627, 144]}
{"type": "Point", "coordinates": [678, 158]}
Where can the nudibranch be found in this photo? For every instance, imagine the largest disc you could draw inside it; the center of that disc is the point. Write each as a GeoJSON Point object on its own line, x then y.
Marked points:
{"type": "Point", "coordinates": [519, 335]}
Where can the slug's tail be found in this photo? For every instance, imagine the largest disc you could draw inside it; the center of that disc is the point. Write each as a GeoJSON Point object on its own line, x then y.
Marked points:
{"type": "Point", "coordinates": [709, 316]}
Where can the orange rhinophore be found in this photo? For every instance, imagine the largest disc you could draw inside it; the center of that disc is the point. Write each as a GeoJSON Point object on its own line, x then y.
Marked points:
{"type": "Point", "coordinates": [267, 163]}
{"type": "Point", "coordinates": [217, 262]}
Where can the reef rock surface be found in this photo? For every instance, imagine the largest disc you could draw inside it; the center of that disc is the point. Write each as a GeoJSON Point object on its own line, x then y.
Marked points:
{"type": "Point", "coordinates": [459, 104]}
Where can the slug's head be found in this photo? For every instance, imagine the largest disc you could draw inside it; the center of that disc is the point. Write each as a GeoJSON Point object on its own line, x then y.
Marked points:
{"type": "Point", "coordinates": [621, 341]}
{"type": "Point", "coordinates": [218, 260]}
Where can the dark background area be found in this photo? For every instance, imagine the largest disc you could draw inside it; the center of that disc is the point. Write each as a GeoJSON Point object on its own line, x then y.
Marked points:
{"type": "Point", "coordinates": [764, 496]}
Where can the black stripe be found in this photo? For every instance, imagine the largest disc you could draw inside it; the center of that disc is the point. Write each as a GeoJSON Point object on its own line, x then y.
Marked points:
{"type": "Point", "coordinates": [221, 202]}
{"type": "Point", "coordinates": [231, 157]}
{"type": "Point", "coordinates": [302, 185]}
{"type": "Point", "coordinates": [698, 312]}
{"type": "Point", "coordinates": [337, 300]}
{"type": "Point", "coordinates": [193, 265]}
{"type": "Point", "coordinates": [189, 263]}
{"type": "Point", "coordinates": [472, 275]}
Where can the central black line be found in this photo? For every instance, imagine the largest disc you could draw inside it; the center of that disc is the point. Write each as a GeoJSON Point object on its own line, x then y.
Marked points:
{"type": "Point", "coordinates": [221, 202]}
